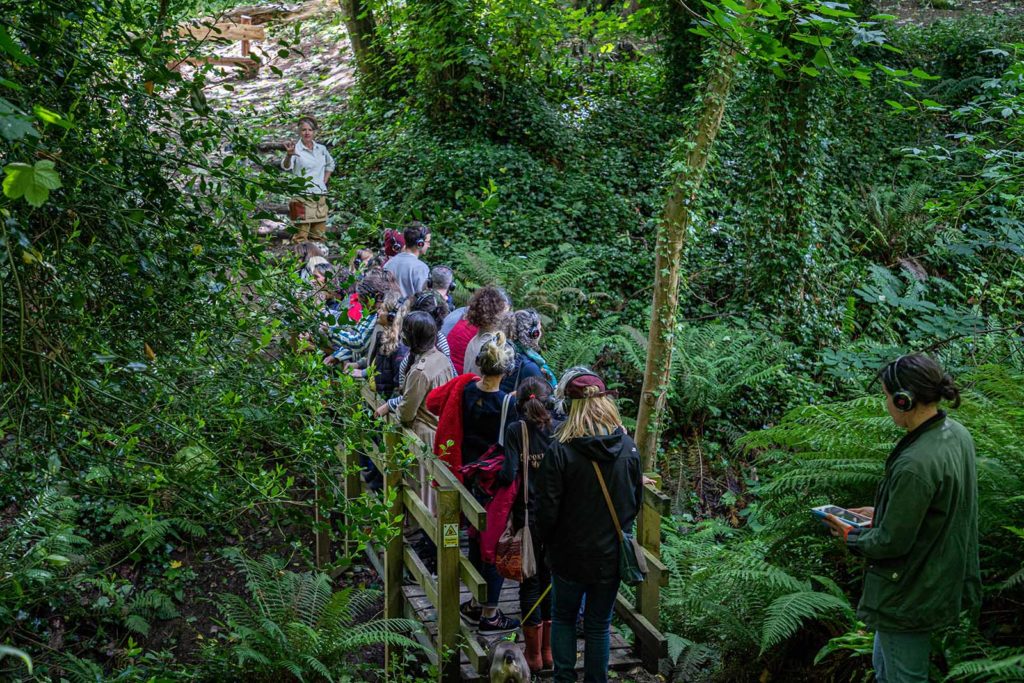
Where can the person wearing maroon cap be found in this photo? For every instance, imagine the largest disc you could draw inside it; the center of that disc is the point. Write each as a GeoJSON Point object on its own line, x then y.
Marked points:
{"type": "Point", "coordinates": [575, 524]}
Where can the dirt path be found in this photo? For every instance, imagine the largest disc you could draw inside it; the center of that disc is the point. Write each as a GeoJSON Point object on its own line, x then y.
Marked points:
{"type": "Point", "coordinates": [310, 47]}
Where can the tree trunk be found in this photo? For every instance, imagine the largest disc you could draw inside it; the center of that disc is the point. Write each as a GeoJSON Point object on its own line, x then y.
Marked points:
{"type": "Point", "coordinates": [672, 231]}
{"type": "Point", "coordinates": [362, 33]}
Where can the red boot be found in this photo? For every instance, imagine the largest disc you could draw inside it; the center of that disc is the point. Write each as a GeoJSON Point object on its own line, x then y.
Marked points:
{"type": "Point", "coordinates": [545, 644]}
{"type": "Point", "coordinates": [532, 635]}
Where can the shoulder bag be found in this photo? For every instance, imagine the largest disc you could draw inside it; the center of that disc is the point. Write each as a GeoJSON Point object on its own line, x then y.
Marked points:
{"type": "Point", "coordinates": [513, 555]}
{"type": "Point", "coordinates": [632, 563]}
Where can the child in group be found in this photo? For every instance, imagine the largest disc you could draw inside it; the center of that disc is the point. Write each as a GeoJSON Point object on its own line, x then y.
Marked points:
{"type": "Point", "coordinates": [387, 352]}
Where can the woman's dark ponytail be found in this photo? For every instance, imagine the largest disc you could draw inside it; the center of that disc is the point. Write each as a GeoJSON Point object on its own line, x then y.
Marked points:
{"type": "Point", "coordinates": [949, 391]}
{"type": "Point", "coordinates": [532, 399]}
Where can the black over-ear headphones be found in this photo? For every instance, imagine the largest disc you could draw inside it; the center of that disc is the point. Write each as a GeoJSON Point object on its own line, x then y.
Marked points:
{"type": "Point", "coordinates": [534, 330]}
{"type": "Point", "coordinates": [430, 279]}
{"type": "Point", "coordinates": [421, 239]}
{"type": "Point", "coordinates": [901, 398]}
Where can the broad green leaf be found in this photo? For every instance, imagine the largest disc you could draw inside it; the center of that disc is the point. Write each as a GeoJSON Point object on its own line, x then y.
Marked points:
{"type": "Point", "coordinates": [31, 182]}
{"type": "Point", "coordinates": [924, 75]}
{"type": "Point", "coordinates": [47, 116]}
{"type": "Point", "coordinates": [820, 41]}
{"type": "Point", "coordinates": [14, 125]}
{"type": "Point", "coordinates": [8, 45]}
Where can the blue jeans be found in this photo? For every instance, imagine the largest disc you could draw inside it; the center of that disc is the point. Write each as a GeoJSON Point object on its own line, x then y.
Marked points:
{"type": "Point", "coordinates": [901, 657]}
{"type": "Point", "coordinates": [597, 618]}
{"type": "Point", "coordinates": [489, 572]}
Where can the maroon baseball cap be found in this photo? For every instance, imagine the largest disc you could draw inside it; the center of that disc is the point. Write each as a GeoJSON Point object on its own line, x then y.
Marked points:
{"type": "Point", "coordinates": [577, 387]}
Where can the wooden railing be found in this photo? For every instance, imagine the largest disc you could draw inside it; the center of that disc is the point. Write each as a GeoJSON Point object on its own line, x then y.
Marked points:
{"type": "Point", "coordinates": [454, 501]}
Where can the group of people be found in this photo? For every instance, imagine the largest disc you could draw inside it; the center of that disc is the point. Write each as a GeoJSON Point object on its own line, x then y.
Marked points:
{"type": "Point", "coordinates": [473, 385]}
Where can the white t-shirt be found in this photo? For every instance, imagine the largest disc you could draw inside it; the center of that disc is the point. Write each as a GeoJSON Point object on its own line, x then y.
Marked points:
{"type": "Point", "coordinates": [311, 164]}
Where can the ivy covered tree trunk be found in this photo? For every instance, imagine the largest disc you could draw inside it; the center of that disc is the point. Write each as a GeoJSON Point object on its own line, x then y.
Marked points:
{"type": "Point", "coordinates": [362, 33]}
{"type": "Point", "coordinates": [672, 231]}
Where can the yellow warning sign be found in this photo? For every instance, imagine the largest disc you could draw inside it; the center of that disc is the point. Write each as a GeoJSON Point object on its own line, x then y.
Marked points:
{"type": "Point", "coordinates": [451, 535]}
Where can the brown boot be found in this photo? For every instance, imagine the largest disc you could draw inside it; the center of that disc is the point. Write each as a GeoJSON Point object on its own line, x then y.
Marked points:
{"type": "Point", "coordinates": [532, 634]}
{"type": "Point", "coordinates": [545, 644]}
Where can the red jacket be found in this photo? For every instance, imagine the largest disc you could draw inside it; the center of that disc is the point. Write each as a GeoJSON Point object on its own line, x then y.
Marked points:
{"type": "Point", "coordinates": [458, 339]}
{"type": "Point", "coordinates": [446, 402]}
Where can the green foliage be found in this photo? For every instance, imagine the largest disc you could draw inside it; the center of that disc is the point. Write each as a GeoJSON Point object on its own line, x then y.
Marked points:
{"type": "Point", "coordinates": [716, 365]}
{"type": "Point", "coordinates": [1005, 666]}
{"type": "Point", "coordinates": [725, 593]}
{"type": "Point", "coordinates": [295, 624]}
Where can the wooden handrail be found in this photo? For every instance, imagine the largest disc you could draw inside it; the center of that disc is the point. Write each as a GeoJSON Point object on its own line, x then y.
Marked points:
{"type": "Point", "coordinates": [442, 589]}
{"type": "Point", "coordinates": [468, 504]}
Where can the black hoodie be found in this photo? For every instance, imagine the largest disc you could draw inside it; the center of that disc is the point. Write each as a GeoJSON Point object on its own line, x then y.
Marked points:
{"type": "Point", "coordinates": [572, 516]}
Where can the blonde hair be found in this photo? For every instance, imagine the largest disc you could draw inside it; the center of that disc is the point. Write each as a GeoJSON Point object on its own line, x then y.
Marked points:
{"type": "Point", "coordinates": [496, 356]}
{"type": "Point", "coordinates": [392, 332]}
{"type": "Point", "coordinates": [591, 416]}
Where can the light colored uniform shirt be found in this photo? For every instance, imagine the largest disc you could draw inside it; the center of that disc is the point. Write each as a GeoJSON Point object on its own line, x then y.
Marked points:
{"type": "Point", "coordinates": [310, 164]}
{"type": "Point", "coordinates": [410, 272]}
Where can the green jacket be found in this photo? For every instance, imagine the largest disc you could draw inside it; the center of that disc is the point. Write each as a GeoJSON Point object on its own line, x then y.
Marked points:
{"type": "Point", "coordinates": [922, 549]}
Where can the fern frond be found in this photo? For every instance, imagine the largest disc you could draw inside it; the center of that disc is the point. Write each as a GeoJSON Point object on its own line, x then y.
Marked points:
{"type": "Point", "coordinates": [1006, 668]}
{"type": "Point", "coordinates": [786, 614]}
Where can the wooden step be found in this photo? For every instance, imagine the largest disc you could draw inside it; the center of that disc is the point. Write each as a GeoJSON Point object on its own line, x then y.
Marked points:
{"type": "Point", "coordinates": [621, 656]}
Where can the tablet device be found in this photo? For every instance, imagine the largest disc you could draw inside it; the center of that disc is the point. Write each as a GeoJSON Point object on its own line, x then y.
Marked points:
{"type": "Point", "coordinates": [844, 515]}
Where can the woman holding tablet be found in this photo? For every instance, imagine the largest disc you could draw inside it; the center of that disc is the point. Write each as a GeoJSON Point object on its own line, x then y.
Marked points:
{"type": "Point", "coordinates": [922, 545]}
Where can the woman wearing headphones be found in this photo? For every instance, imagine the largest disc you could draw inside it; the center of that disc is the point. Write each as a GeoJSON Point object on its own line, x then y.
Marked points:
{"type": "Point", "coordinates": [524, 332]}
{"type": "Point", "coordinates": [591, 451]}
{"type": "Point", "coordinates": [922, 545]}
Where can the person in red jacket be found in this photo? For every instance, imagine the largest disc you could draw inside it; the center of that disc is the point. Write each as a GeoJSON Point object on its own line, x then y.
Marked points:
{"type": "Point", "coordinates": [469, 413]}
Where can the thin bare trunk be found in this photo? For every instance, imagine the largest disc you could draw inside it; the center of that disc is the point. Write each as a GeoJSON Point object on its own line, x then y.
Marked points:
{"type": "Point", "coordinates": [672, 231]}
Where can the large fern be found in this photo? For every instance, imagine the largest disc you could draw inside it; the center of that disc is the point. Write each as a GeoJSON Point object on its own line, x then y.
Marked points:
{"type": "Point", "coordinates": [1007, 665]}
{"type": "Point", "coordinates": [726, 594]}
{"type": "Point", "coordinates": [542, 279]}
{"type": "Point", "coordinates": [296, 623]}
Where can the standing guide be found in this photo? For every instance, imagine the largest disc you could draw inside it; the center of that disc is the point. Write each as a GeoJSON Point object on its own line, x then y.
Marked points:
{"type": "Point", "coordinates": [310, 160]}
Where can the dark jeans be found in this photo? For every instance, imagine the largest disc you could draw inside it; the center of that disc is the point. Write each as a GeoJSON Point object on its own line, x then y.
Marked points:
{"type": "Point", "coordinates": [901, 657]}
{"type": "Point", "coordinates": [532, 588]}
{"type": "Point", "coordinates": [597, 617]}
{"type": "Point", "coordinates": [487, 570]}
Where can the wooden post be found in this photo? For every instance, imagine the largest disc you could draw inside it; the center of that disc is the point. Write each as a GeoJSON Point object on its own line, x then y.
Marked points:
{"type": "Point", "coordinates": [648, 594]}
{"type": "Point", "coordinates": [448, 584]}
{"type": "Point", "coordinates": [394, 603]}
{"type": "Point", "coordinates": [245, 43]}
{"type": "Point", "coordinates": [353, 488]}
{"type": "Point", "coordinates": [322, 526]}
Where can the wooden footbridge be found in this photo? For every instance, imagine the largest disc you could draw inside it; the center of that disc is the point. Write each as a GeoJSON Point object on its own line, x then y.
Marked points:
{"type": "Point", "coordinates": [411, 590]}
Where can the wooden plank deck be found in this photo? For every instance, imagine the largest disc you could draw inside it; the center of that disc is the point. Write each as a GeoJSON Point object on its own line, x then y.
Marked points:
{"type": "Point", "coordinates": [622, 657]}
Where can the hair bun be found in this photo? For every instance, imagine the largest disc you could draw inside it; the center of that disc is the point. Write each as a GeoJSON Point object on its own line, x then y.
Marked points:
{"type": "Point", "coordinates": [947, 388]}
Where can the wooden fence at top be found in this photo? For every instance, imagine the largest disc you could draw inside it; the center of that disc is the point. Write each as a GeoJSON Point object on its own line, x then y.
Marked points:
{"type": "Point", "coordinates": [448, 636]}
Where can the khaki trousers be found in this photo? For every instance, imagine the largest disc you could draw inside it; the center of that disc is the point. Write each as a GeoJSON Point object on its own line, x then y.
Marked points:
{"type": "Point", "coordinates": [314, 226]}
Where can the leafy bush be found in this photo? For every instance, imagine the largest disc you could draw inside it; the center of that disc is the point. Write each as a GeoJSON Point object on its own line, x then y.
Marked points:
{"type": "Point", "coordinates": [294, 623]}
